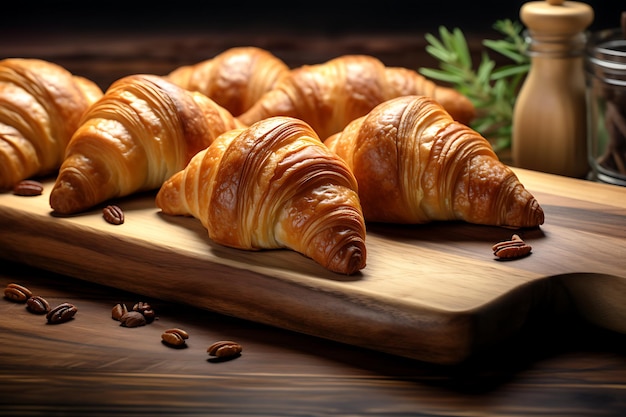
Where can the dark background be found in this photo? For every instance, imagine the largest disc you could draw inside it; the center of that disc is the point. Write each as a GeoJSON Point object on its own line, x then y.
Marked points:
{"type": "Point", "coordinates": [107, 40]}
{"type": "Point", "coordinates": [321, 17]}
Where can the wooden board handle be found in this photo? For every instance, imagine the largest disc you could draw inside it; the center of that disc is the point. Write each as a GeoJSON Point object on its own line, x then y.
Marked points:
{"type": "Point", "coordinates": [598, 298]}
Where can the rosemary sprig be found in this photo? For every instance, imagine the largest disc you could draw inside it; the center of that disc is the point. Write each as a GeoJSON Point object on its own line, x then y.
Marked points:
{"type": "Point", "coordinates": [491, 89]}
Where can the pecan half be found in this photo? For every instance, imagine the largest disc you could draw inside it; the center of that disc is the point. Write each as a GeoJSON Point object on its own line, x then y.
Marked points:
{"type": "Point", "coordinates": [225, 349]}
{"type": "Point", "coordinates": [133, 319]}
{"type": "Point", "coordinates": [37, 305]}
{"type": "Point", "coordinates": [61, 313]}
{"type": "Point", "coordinates": [142, 306]}
{"type": "Point", "coordinates": [511, 249]}
{"type": "Point", "coordinates": [17, 293]}
{"type": "Point", "coordinates": [118, 311]}
{"type": "Point", "coordinates": [146, 310]}
{"type": "Point", "coordinates": [175, 337]}
{"type": "Point", "coordinates": [28, 188]}
{"type": "Point", "coordinates": [113, 214]}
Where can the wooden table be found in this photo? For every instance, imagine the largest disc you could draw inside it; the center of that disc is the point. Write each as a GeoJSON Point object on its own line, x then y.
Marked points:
{"type": "Point", "coordinates": [93, 366]}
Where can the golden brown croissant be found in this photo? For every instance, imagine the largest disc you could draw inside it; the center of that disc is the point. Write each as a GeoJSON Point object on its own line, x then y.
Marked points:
{"type": "Point", "coordinates": [234, 79]}
{"type": "Point", "coordinates": [330, 95]}
{"type": "Point", "coordinates": [415, 164]}
{"type": "Point", "coordinates": [41, 104]}
{"type": "Point", "coordinates": [273, 185]}
{"type": "Point", "coordinates": [140, 132]}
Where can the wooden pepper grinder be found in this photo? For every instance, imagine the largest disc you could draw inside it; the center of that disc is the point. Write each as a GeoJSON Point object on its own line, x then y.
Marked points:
{"type": "Point", "coordinates": [549, 118]}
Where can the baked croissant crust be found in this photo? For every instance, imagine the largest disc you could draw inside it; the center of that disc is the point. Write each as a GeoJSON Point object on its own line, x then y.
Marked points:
{"type": "Point", "coordinates": [141, 131]}
{"type": "Point", "coordinates": [41, 104]}
{"type": "Point", "coordinates": [235, 78]}
{"type": "Point", "coordinates": [330, 95]}
{"type": "Point", "coordinates": [273, 185]}
{"type": "Point", "coordinates": [415, 164]}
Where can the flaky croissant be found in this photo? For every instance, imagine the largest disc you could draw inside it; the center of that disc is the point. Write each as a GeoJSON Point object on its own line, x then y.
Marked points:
{"type": "Point", "coordinates": [330, 95]}
{"type": "Point", "coordinates": [141, 131]}
{"type": "Point", "coordinates": [41, 104]}
{"type": "Point", "coordinates": [415, 164]}
{"type": "Point", "coordinates": [234, 79]}
{"type": "Point", "coordinates": [273, 185]}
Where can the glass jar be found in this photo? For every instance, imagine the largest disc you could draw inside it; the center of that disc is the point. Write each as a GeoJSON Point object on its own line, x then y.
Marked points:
{"type": "Point", "coordinates": [605, 65]}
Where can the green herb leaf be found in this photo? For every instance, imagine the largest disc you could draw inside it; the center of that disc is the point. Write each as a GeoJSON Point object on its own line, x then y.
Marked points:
{"type": "Point", "coordinates": [491, 89]}
{"type": "Point", "coordinates": [507, 49]}
{"type": "Point", "coordinates": [462, 49]}
{"type": "Point", "coordinates": [510, 71]}
{"type": "Point", "coordinates": [440, 75]}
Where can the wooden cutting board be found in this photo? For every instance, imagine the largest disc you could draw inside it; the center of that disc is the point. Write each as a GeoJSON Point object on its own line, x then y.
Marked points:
{"type": "Point", "coordinates": [430, 292]}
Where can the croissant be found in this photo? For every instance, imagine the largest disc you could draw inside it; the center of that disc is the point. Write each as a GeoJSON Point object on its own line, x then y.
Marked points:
{"type": "Point", "coordinates": [234, 79]}
{"type": "Point", "coordinates": [41, 104]}
{"type": "Point", "coordinates": [141, 131]}
{"type": "Point", "coordinates": [415, 164]}
{"type": "Point", "coordinates": [330, 95]}
{"type": "Point", "coordinates": [273, 185]}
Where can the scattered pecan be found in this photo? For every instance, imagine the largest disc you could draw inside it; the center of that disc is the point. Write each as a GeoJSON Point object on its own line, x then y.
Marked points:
{"type": "Point", "coordinates": [511, 249]}
{"type": "Point", "coordinates": [61, 313]}
{"type": "Point", "coordinates": [149, 315]}
{"type": "Point", "coordinates": [113, 214]}
{"type": "Point", "coordinates": [37, 305]}
{"type": "Point", "coordinates": [118, 311]}
{"type": "Point", "coordinates": [142, 306]}
{"type": "Point", "coordinates": [133, 319]}
{"type": "Point", "coordinates": [17, 293]}
{"type": "Point", "coordinates": [175, 337]}
{"type": "Point", "coordinates": [28, 188]}
{"type": "Point", "coordinates": [146, 310]}
{"type": "Point", "coordinates": [225, 349]}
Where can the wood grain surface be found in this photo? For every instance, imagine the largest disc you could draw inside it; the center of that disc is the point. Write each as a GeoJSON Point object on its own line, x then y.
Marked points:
{"type": "Point", "coordinates": [430, 292]}
{"type": "Point", "coordinates": [91, 366]}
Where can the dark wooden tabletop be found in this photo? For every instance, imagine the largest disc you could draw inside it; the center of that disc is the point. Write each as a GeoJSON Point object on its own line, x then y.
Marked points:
{"type": "Point", "coordinates": [92, 365]}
